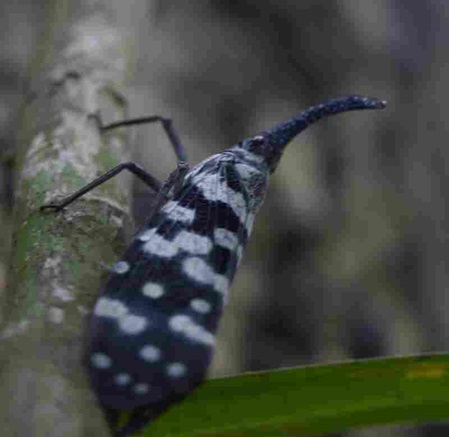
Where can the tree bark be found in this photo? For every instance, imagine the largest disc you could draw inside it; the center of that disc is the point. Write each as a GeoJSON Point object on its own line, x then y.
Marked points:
{"type": "Point", "coordinates": [58, 259]}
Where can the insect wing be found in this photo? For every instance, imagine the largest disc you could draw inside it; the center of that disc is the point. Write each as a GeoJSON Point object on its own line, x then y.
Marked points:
{"type": "Point", "coordinates": [153, 328]}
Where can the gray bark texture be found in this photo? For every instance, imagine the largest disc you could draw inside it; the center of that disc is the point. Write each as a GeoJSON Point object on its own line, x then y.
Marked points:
{"type": "Point", "coordinates": [59, 259]}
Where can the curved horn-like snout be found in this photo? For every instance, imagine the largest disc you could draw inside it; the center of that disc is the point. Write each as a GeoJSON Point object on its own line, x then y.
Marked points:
{"type": "Point", "coordinates": [275, 139]}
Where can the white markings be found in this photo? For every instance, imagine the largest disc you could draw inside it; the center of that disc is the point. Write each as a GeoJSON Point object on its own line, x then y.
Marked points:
{"type": "Point", "coordinates": [187, 241]}
{"type": "Point", "coordinates": [237, 202]}
{"type": "Point", "coordinates": [146, 235]}
{"type": "Point", "coordinates": [150, 353]}
{"type": "Point", "coordinates": [225, 238]}
{"type": "Point", "coordinates": [221, 284]}
{"type": "Point", "coordinates": [132, 324]}
{"type": "Point", "coordinates": [114, 309]}
{"type": "Point", "coordinates": [193, 243]}
{"type": "Point", "coordinates": [186, 326]}
{"type": "Point", "coordinates": [120, 267]}
{"type": "Point", "coordinates": [200, 271]}
{"type": "Point", "coordinates": [215, 190]}
{"type": "Point", "coordinates": [178, 213]}
{"type": "Point", "coordinates": [111, 308]}
{"type": "Point", "coordinates": [247, 171]}
{"type": "Point", "coordinates": [100, 361]}
{"type": "Point", "coordinates": [141, 388]}
{"type": "Point", "coordinates": [176, 370]}
{"type": "Point", "coordinates": [158, 245]}
{"type": "Point", "coordinates": [122, 379]}
{"type": "Point", "coordinates": [179, 322]}
{"type": "Point", "coordinates": [200, 306]}
{"type": "Point", "coordinates": [255, 184]}
{"type": "Point", "coordinates": [153, 290]}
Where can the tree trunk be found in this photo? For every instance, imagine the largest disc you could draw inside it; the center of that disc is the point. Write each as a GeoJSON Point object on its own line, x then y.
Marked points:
{"type": "Point", "coordinates": [58, 259]}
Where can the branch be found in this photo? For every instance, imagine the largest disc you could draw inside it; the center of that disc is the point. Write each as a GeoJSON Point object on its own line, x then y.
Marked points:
{"type": "Point", "coordinates": [58, 260]}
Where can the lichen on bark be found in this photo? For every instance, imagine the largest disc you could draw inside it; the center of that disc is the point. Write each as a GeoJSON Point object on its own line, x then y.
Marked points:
{"type": "Point", "coordinates": [59, 259]}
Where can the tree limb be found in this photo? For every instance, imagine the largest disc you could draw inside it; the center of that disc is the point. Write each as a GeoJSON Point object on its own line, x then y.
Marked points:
{"type": "Point", "coordinates": [58, 259]}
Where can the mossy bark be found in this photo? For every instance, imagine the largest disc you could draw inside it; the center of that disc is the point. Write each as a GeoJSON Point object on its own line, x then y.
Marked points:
{"type": "Point", "coordinates": [58, 259]}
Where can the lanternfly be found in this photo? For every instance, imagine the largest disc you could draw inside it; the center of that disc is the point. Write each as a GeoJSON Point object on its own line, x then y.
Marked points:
{"type": "Point", "coordinates": [153, 327]}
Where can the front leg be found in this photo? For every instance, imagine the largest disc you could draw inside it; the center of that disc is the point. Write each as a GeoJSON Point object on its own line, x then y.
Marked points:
{"type": "Point", "coordinates": [174, 180]}
{"type": "Point", "coordinates": [138, 171]}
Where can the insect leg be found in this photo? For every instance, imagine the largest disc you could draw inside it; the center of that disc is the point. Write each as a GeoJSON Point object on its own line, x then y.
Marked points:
{"type": "Point", "coordinates": [175, 178]}
{"type": "Point", "coordinates": [167, 124]}
{"type": "Point", "coordinates": [138, 171]}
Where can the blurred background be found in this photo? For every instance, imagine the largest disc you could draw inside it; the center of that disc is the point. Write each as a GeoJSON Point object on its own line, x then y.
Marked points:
{"type": "Point", "coordinates": [349, 256]}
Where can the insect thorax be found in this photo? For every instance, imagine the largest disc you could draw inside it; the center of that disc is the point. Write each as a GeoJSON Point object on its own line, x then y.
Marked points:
{"type": "Point", "coordinates": [248, 174]}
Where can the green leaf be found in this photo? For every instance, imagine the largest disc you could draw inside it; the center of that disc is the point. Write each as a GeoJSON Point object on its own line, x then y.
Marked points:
{"type": "Point", "coordinates": [314, 399]}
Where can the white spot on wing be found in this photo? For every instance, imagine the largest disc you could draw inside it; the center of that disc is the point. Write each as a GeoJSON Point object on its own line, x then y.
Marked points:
{"type": "Point", "coordinates": [193, 243]}
{"type": "Point", "coordinates": [178, 213]}
{"type": "Point", "coordinates": [200, 306]}
{"type": "Point", "coordinates": [186, 326]}
{"type": "Point", "coordinates": [122, 379]}
{"type": "Point", "coordinates": [176, 370]}
{"type": "Point", "coordinates": [221, 284]}
{"type": "Point", "coordinates": [199, 270]}
{"type": "Point", "coordinates": [146, 235]}
{"type": "Point", "coordinates": [214, 189]}
{"type": "Point", "coordinates": [179, 322]}
{"type": "Point", "coordinates": [187, 241]}
{"type": "Point", "coordinates": [247, 171]}
{"type": "Point", "coordinates": [112, 308]}
{"type": "Point", "coordinates": [132, 324]}
{"type": "Point", "coordinates": [100, 361]}
{"type": "Point", "coordinates": [158, 245]}
{"type": "Point", "coordinates": [120, 267]}
{"type": "Point", "coordinates": [153, 290]}
{"type": "Point", "coordinates": [225, 238]}
{"type": "Point", "coordinates": [150, 353]}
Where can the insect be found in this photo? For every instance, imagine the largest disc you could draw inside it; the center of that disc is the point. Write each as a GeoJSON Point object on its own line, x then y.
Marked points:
{"type": "Point", "coordinates": [152, 331]}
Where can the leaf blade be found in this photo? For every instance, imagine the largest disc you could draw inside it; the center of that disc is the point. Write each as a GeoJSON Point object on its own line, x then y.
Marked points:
{"type": "Point", "coordinates": [314, 399]}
